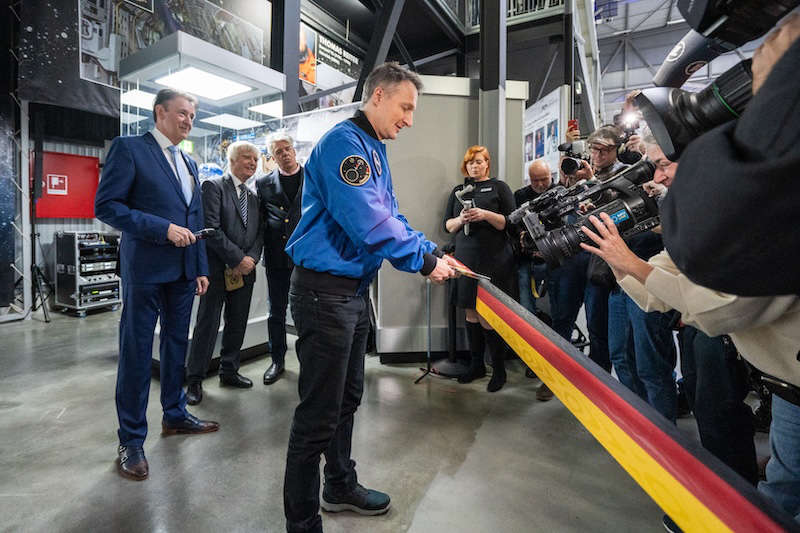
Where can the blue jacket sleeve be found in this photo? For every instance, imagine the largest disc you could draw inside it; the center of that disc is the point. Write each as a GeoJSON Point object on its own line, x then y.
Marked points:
{"type": "Point", "coordinates": [363, 212]}
{"type": "Point", "coordinates": [110, 202]}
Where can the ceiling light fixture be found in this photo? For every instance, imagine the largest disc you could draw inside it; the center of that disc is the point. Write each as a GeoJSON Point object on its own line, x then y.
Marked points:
{"type": "Point", "coordinates": [232, 122]}
{"type": "Point", "coordinates": [201, 83]}
{"type": "Point", "coordinates": [137, 98]}
{"type": "Point", "coordinates": [272, 109]}
{"type": "Point", "coordinates": [130, 118]}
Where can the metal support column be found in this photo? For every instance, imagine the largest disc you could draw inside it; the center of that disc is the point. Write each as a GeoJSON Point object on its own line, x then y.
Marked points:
{"type": "Point", "coordinates": [382, 36]}
{"type": "Point", "coordinates": [569, 56]}
{"type": "Point", "coordinates": [492, 98]}
{"type": "Point", "coordinates": [284, 52]}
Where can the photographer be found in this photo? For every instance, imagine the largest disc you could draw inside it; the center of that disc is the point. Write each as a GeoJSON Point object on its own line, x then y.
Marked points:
{"type": "Point", "coordinates": [540, 181]}
{"type": "Point", "coordinates": [766, 330]}
{"type": "Point", "coordinates": [604, 145]}
{"type": "Point", "coordinates": [744, 173]}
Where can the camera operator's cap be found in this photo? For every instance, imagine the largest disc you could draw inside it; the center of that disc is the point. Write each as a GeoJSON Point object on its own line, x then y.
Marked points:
{"type": "Point", "coordinates": [605, 136]}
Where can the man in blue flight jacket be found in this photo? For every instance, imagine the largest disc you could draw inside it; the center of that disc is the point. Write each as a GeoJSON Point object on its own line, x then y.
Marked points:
{"type": "Point", "coordinates": [350, 224]}
{"type": "Point", "coordinates": [150, 192]}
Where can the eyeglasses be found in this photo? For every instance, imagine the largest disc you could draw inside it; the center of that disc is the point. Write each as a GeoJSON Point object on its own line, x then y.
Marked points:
{"type": "Point", "coordinates": [601, 150]}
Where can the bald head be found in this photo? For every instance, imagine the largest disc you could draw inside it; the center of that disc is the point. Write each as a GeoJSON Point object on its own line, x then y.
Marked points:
{"type": "Point", "coordinates": [539, 173]}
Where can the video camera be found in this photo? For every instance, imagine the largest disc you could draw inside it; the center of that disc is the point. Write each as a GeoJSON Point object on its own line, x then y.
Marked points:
{"type": "Point", "coordinates": [575, 152]}
{"type": "Point", "coordinates": [718, 26]}
{"type": "Point", "coordinates": [546, 218]}
{"type": "Point", "coordinates": [676, 117]}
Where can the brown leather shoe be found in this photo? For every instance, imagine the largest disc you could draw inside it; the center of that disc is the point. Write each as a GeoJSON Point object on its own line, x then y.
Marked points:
{"type": "Point", "coordinates": [543, 393]}
{"type": "Point", "coordinates": [191, 425]}
{"type": "Point", "coordinates": [131, 463]}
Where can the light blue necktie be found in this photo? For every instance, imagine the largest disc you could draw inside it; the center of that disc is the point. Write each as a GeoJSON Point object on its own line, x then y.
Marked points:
{"type": "Point", "coordinates": [183, 175]}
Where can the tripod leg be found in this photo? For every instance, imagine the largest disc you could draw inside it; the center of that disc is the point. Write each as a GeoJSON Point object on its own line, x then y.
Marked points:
{"type": "Point", "coordinates": [39, 291]}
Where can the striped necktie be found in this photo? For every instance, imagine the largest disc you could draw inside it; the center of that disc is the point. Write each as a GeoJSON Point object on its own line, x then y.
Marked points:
{"type": "Point", "coordinates": [183, 175]}
{"type": "Point", "coordinates": [243, 202]}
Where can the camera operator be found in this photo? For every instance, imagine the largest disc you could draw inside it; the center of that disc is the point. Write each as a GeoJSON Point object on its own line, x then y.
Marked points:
{"type": "Point", "coordinates": [766, 330]}
{"type": "Point", "coordinates": [533, 271]}
{"type": "Point", "coordinates": [744, 174]}
{"type": "Point", "coordinates": [567, 285]}
{"type": "Point", "coordinates": [540, 181]}
{"type": "Point", "coordinates": [604, 144]}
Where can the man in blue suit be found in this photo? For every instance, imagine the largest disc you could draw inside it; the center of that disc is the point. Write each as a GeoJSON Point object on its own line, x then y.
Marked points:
{"type": "Point", "coordinates": [151, 193]}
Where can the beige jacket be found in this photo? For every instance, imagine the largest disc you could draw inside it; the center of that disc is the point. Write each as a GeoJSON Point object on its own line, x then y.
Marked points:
{"type": "Point", "coordinates": [766, 330]}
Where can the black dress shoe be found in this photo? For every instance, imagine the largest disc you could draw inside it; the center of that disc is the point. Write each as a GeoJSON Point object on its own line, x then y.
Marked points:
{"type": "Point", "coordinates": [194, 393]}
{"type": "Point", "coordinates": [235, 380]}
{"type": "Point", "coordinates": [131, 463]}
{"type": "Point", "coordinates": [273, 373]}
{"type": "Point", "coordinates": [190, 425]}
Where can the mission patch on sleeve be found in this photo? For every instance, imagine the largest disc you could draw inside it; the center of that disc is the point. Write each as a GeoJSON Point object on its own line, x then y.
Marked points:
{"type": "Point", "coordinates": [354, 170]}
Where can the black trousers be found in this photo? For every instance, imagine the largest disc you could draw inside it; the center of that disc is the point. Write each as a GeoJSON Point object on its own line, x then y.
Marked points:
{"type": "Point", "coordinates": [332, 334]}
{"type": "Point", "coordinates": [716, 384]}
{"type": "Point", "coordinates": [278, 280]}
{"type": "Point", "coordinates": [204, 338]}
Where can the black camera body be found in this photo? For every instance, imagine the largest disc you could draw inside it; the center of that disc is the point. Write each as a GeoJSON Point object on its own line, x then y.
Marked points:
{"type": "Point", "coordinates": [553, 219]}
{"type": "Point", "coordinates": [574, 153]}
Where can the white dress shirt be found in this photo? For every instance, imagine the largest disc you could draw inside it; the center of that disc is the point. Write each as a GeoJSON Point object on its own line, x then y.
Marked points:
{"type": "Point", "coordinates": [165, 143]}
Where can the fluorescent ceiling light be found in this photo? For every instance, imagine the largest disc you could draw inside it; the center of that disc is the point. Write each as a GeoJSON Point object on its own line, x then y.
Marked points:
{"type": "Point", "coordinates": [201, 132]}
{"type": "Point", "coordinates": [232, 122]}
{"type": "Point", "coordinates": [130, 118]}
{"type": "Point", "coordinates": [137, 98]}
{"type": "Point", "coordinates": [272, 109]}
{"type": "Point", "coordinates": [201, 83]}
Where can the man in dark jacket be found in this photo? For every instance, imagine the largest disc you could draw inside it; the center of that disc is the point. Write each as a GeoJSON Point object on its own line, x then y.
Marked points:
{"type": "Point", "coordinates": [540, 181]}
{"type": "Point", "coordinates": [233, 251]}
{"type": "Point", "coordinates": [279, 194]}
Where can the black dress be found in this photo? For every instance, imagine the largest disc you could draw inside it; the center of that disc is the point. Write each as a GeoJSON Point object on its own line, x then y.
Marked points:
{"type": "Point", "coordinates": [485, 250]}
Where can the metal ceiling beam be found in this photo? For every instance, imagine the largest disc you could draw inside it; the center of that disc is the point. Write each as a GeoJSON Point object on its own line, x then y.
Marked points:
{"type": "Point", "coordinates": [669, 13]}
{"type": "Point", "coordinates": [398, 42]}
{"type": "Point", "coordinates": [382, 36]}
{"type": "Point", "coordinates": [651, 32]}
{"type": "Point", "coordinates": [436, 57]}
{"type": "Point", "coordinates": [450, 29]}
{"type": "Point", "coordinates": [641, 58]}
{"type": "Point", "coordinates": [547, 74]}
{"type": "Point", "coordinates": [613, 56]}
{"type": "Point", "coordinates": [317, 95]}
{"type": "Point", "coordinates": [650, 14]}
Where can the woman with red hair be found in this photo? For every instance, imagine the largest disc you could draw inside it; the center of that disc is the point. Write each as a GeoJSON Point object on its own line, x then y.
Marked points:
{"type": "Point", "coordinates": [482, 244]}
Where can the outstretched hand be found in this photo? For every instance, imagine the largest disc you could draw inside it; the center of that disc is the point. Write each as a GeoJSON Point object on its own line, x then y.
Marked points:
{"type": "Point", "coordinates": [613, 249]}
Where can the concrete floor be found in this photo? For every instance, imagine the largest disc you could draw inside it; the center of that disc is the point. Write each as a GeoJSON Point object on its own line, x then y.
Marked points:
{"type": "Point", "coordinates": [452, 457]}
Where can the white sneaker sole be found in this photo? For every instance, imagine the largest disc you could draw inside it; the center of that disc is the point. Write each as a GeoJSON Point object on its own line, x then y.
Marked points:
{"type": "Point", "coordinates": [339, 507]}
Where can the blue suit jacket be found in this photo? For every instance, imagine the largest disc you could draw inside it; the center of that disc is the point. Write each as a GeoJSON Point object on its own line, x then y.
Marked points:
{"type": "Point", "coordinates": [140, 195]}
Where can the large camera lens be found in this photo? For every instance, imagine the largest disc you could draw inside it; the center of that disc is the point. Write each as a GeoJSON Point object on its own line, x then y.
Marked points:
{"type": "Point", "coordinates": [677, 117]}
{"type": "Point", "coordinates": [560, 244]}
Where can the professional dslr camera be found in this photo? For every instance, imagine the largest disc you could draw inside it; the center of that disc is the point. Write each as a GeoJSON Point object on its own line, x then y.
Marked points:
{"type": "Point", "coordinates": [546, 218]}
{"type": "Point", "coordinates": [629, 124]}
{"type": "Point", "coordinates": [575, 152]}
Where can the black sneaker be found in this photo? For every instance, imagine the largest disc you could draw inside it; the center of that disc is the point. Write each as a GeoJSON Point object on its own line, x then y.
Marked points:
{"type": "Point", "coordinates": [669, 525]}
{"type": "Point", "coordinates": [361, 500]}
